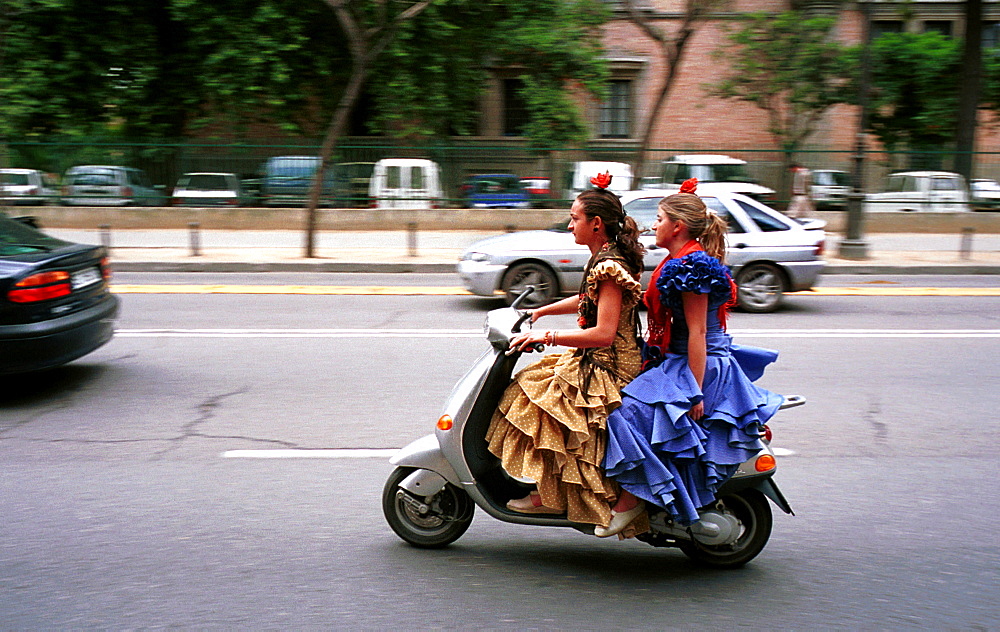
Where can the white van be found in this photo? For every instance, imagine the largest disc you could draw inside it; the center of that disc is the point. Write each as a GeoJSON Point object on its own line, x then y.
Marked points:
{"type": "Point", "coordinates": [582, 172]}
{"type": "Point", "coordinates": [405, 183]}
{"type": "Point", "coordinates": [935, 191]}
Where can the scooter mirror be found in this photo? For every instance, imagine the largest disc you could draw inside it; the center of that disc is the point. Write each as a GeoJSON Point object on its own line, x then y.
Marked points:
{"type": "Point", "coordinates": [528, 289]}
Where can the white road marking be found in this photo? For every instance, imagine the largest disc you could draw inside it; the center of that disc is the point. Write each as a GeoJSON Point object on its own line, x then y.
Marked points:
{"type": "Point", "coordinates": [287, 453]}
{"type": "Point", "coordinates": [475, 333]}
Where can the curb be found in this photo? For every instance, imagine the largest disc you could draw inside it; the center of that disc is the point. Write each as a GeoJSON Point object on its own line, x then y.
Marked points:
{"type": "Point", "coordinates": [437, 268]}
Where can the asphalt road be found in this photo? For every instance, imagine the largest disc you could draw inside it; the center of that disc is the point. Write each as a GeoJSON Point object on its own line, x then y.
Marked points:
{"type": "Point", "coordinates": [119, 510]}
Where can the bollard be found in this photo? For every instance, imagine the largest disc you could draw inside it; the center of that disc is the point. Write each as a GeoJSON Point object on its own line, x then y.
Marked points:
{"type": "Point", "coordinates": [194, 238]}
{"type": "Point", "coordinates": [105, 235]}
{"type": "Point", "coordinates": [411, 238]}
{"type": "Point", "coordinates": [965, 248]}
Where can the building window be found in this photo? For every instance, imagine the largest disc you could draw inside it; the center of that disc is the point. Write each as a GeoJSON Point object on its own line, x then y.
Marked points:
{"type": "Point", "coordinates": [991, 34]}
{"type": "Point", "coordinates": [883, 27]}
{"type": "Point", "coordinates": [616, 110]}
{"type": "Point", "coordinates": [938, 26]}
{"type": "Point", "coordinates": [515, 109]}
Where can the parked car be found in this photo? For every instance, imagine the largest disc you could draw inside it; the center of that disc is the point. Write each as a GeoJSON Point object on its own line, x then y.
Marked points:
{"type": "Point", "coordinates": [27, 186]}
{"type": "Point", "coordinates": [108, 185]}
{"type": "Point", "coordinates": [54, 301]}
{"type": "Point", "coordinates": [936, 191]}
{"type": "Point", "coordinates": [539, 191]}
{"type": "Point", "coordinates": [209, 189]}
{"type": "Point", "coordinates": [578, 178]}
{"type": "Point", "coordinates": [985, 194]}
{"type": "Point", "coordinates": [495, 190]}
{"type": "Point", "coordinates": [725, 171]}
{"type": "Point", "coordinates": [287, 180]}
{"type": "Point", "coordinates": [830, 188]}
{"type": "Point", "coordinates": [769, 254]}
{"type": "Point", "coordinates": [408, 183]}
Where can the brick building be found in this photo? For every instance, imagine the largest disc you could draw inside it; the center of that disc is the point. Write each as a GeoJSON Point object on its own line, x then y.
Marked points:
{"type": "Point", "coordinates": [693, 120]}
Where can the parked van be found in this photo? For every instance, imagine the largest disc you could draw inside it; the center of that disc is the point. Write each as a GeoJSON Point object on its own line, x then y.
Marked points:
{"type": "Point", "coordinates": [727, 173]}
{"type": "Point", "coordinates": [286, 181]}
{"type": "Point", "coordinates": [108, 185]}
{"type": "Point", "coordinates": [579, 177]}
{"type": "Point", "coordinates": [405, 183]}
{"type": "Point", "coordinates": [935, 191]}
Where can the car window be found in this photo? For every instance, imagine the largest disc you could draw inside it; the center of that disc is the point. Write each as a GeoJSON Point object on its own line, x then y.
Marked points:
{"type": "Point", "coordinates": [944, 184]}
{"type": "Point", "coordinates": [106, 179]}
{"type": "Point", "coordinates": [910, 184]}
{"type": "Point", "coordinates": [765, 222]}
{"type": "Point", "coordinates": [894, 184]}
{"type": "Point", "coordinates": [15, 179]}
{"type": "Point", "coordinates": [416, 178]}
{"type": "Point", "coordinates": [206, 182]}
{"type": "Point", "coordinates": [841, 179]}
{"type": "Point", "coordinates": [729, 173]}
{"type": "Point", "coordinates": [18, 239]}
{"type": "Point", "coordinates": [717, 207]}
{"type": "Point", "coordinates": [643, 210]}
{"type": "Point", "coordinates": [133, 178]}
{"type": "Point", "coordinates": [392, 177]}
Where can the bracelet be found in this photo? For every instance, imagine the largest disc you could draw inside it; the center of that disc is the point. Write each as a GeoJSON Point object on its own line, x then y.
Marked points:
{"type": "Point", "coordinates": [548, 338]}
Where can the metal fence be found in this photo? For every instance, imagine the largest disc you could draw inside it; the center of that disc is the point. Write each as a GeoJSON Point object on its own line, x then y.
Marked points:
{"type": "Point", "coordinates": [456, 160]}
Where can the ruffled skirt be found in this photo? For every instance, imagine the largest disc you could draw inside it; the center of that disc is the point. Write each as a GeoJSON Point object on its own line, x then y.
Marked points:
{"type": "Point", "coordinates": [548, 430]}
{"type": "Point", "coordinates": [659, 454]}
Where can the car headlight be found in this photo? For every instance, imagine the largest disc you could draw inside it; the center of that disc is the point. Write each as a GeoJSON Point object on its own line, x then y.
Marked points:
{"type": "Point", "coordinates": [476, 256]}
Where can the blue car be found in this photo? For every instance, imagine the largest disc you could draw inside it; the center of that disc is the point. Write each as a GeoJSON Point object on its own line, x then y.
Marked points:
{"type": "Point", "coordinates": [501, 190]}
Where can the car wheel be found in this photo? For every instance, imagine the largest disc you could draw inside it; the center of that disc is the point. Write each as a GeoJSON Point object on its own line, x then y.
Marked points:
{"type": "Point", "coordinates": [760, 288]}
{"type": "Point", "coordinates": [521, 275]}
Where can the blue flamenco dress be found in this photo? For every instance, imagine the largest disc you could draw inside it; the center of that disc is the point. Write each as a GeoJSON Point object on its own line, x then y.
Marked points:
{"type": "Point", "coordinates": [655, 450]}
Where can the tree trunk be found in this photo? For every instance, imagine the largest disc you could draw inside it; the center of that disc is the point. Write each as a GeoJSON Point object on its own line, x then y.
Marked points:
{"type": "Point", "coordinates": [338, 125]}
{"type": "Point", "coordinates": [970, 88]}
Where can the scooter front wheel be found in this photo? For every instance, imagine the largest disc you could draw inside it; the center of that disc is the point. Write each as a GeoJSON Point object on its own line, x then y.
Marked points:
{"type": "Point", "coordinates": [427, 523]}
{"type": "Point", "coordinates": [750, 507]}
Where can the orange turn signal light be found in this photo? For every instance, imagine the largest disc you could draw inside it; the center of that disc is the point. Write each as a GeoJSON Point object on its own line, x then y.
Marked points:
{"type": "Point", "coordinates": [445, 423]}
{"type": "Point", "coordinates": [765, 463]}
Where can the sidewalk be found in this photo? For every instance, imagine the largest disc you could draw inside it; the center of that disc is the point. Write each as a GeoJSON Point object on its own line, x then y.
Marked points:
{"type": "Point", "coordinates": [438, 251]}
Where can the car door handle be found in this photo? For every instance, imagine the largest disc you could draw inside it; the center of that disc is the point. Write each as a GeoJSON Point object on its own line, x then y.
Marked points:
{"type": "Point", "coordinates": [740, 245]}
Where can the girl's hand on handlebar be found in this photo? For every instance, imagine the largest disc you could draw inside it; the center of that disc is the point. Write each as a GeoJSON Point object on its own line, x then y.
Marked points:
{"type": "Point", "coordinates": [526, 341]}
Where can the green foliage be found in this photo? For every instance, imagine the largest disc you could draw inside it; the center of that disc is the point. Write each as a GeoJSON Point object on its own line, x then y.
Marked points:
{"type": "Point", "coordinates": [914, 89]}
{"type": "Point", "coordinates": [789, 66]}
{"type": "Point", "coordinates": [430, 81]}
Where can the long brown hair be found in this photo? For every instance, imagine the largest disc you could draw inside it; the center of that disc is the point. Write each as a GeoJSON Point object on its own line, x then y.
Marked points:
{"type": "Point", "coordinates": [707, 228]}
{"type": "Point", "coordinates": [621, 229]}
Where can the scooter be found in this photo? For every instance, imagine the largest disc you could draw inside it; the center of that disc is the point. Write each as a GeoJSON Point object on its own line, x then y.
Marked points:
{"type": "Point", "coordinates": [430, 497]}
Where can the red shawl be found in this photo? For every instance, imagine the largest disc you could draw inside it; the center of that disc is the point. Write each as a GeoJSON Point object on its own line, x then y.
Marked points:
{"type": "Point", "coordinates": [658, 315]}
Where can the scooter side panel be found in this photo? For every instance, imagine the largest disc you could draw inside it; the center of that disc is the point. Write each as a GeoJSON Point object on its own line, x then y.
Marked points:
{"type": "Point", "coordinates": [425, 453]}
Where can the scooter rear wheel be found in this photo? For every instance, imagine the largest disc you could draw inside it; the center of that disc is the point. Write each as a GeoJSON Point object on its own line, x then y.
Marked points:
{"type": "Point", "coordinates": [447, 516]}
{"type": "Point", "coordinates": [754, 513]}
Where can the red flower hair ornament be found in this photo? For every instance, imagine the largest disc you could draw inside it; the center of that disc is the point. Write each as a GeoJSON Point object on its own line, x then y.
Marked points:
{"type": "Point", "coordinates": [689, 185]}
{"type": "Point", "coordinates": [601, 180]}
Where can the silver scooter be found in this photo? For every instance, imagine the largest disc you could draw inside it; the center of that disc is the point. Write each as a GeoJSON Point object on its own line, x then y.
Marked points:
{"type": "Point", "coordinates": [430, 497]}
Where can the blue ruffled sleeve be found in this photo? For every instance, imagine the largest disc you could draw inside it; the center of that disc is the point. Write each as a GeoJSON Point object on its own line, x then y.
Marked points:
{"type": "Point", "coordinates": [697, 272]}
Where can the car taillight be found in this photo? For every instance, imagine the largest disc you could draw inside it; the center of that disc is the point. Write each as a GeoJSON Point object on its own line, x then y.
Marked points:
{"type": "Point", "coordinates": [106, 270]}
{"type": "Point", "coordinates": [34, 191]}
{"type": "Point", "coordinates": [819, 247]}
{"type": "Point", "coordinates": [767, 433]}
{"type": "Point", "coordinates": [42, 286]}
{"type": "Point", "coordinates": [233, 202]}
{"type": "Point", "coordinates": [127, 192]}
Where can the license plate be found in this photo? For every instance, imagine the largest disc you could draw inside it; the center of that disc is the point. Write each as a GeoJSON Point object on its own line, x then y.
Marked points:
{"type": "Point", "coordinates": [83, 278]}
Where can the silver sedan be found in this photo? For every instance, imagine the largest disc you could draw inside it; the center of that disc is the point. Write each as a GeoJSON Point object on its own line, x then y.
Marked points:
{"type": "Point", "coordinates": [769, 254]}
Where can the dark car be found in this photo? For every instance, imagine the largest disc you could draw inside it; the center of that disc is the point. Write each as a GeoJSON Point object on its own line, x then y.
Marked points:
{"type": "Point", "coordinates": [495, 190]}
{"type": "Point", "coordinates": [55, 305]}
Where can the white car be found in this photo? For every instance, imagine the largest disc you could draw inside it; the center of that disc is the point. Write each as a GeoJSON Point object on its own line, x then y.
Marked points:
{"type": "Point", "coordinates": [209, 189]}
{"type": "Point", "coordinates": [26, 186]}
{"type": "Point", "coordinates": [725, 172]}
{"type": "Point", "coordinates": [985, 194]}
{"type": "Point", "coordinates": [768, 253]}
{"type": "Point", "coordinates": [935, 191]}
{"type": "Point", "coordinates": [830, 188]}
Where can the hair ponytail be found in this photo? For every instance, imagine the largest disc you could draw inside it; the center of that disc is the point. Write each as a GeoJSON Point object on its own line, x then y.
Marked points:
{"type": "Point", "coordinates": [713, 238]}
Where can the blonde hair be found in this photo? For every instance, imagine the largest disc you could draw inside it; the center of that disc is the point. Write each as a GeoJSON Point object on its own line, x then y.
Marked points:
{"type": "Point", "coordinates": [704, 226]}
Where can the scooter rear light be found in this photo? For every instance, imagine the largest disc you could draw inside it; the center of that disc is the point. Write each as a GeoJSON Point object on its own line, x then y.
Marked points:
{"type": "Point", "coordinates": [445, 422]}
{"type": "Point", "coordinates": [765, 463]}
{"type": "Point", "coordinates": [767, 433]}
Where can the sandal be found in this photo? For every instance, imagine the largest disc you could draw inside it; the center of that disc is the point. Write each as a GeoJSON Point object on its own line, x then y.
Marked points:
{"type": "Point", "coordinates": [531, 504]}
